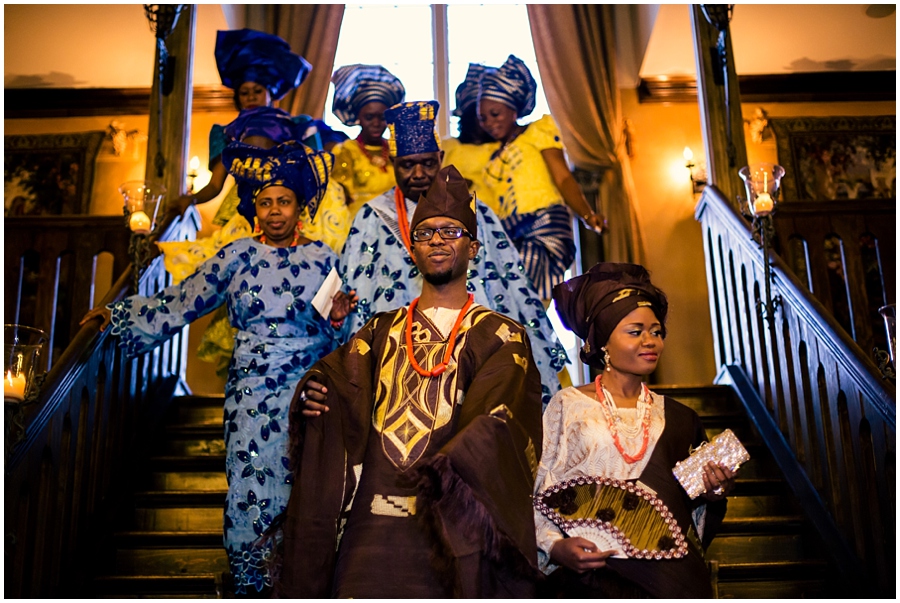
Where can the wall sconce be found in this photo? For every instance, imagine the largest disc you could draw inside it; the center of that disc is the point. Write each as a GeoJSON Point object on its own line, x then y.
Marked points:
{"type": "Point", "coordinates": [22, 378]}
{"type": "Point", "coordinates": [142, 201]}
{"type": "Point", "coordinates": [697, 171]}
{"type": "Point", "coordinates": [885, 360]}
{"type": "Point", "coordinates": [193, 172]}
{"type": "Point", "coordinates": [763, 182]}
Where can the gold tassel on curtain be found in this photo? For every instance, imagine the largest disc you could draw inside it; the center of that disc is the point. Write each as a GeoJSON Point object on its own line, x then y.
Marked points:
{"type": "Point", "coordinates": [312, 30]}
{"type": "Point", "coordinates": [575, 49]}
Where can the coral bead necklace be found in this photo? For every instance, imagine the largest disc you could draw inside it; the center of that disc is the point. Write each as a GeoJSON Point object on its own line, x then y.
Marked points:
{"type": "Point", "coordinates": [380, 162]}
{"type": "Point", "coordinates": [613, 420]}
{"type": "Point", "coordinates": [403, 219]}
{"type": "Point", "coordinates": [450, 345]}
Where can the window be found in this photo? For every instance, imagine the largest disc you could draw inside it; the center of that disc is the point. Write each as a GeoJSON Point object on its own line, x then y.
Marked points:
{"type": "Point", "coordinates": [402, 39]}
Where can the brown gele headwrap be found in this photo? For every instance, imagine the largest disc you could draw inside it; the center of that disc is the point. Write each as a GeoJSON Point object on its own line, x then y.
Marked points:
{"type": "Point", "coordinates": [448, 196]}
{"type": "Point", "coordinates": [591, 305]}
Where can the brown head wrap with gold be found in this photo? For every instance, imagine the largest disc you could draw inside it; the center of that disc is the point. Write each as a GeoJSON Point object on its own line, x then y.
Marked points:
{"type": "Point", "coordinates": [448, 196]}
{"type": "Point", "coordinates": [591, 305]}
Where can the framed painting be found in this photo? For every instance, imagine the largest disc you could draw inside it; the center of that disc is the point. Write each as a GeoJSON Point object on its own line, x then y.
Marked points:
{"type": "Point", "coordinates": [837, 158]}
{"type": "Point", "coordinates": [49, 174]}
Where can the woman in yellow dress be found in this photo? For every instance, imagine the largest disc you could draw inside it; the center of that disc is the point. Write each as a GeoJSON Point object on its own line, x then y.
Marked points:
{"type": "Point", "coordinates": [472, 149]}
{"type": "Point", "coordinates": [362, 93]}
{"type": "Point", "coordinates": [531, 187]}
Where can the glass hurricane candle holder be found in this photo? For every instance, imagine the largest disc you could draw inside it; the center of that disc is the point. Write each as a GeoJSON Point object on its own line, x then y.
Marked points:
{"type": "Point", "coordinates": [762, 181]}
{"type": "Point", "coordinates": [22, 347]}
{"type": "Point", "coordinates": [142, 201]}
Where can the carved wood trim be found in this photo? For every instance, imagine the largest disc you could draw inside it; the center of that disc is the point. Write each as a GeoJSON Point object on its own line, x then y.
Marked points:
{"type": "Point", "coordinates": [21, 103]}
{"type": "Point", "coordinates": [831, 86]}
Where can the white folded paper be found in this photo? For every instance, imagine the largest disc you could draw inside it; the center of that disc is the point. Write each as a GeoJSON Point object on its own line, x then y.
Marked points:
{"type": "Point", "coordinates": [324, 298]}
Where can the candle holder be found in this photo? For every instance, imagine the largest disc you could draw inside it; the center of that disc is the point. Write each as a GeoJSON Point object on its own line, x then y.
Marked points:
{"type": "Point", "coordinates": [142, 201]}
{"type": "Point", "coordinates": [763, 182]}
{"type": "Point", "coordinates": [22, 378]}
{"type": "Point", "coordinates": [696, 171]}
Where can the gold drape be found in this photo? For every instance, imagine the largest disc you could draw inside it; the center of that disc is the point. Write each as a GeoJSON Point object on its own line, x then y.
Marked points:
{"type": "Point", "coordinates": [312, 30]}
{"type": "Point", "coordinates": [576, 53]}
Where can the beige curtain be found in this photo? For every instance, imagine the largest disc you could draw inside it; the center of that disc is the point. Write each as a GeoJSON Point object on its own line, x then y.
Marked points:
{"type": "Point", "coordinates": [312, 31]}
{"type": "Point", "coordinates": [575, 48]}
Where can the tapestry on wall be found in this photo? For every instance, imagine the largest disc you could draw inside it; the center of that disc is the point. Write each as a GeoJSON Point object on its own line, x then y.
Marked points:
{"type": "Point", "coordinates": [49, 174]}
{"type": "Point", "coordinates": [837, 158]}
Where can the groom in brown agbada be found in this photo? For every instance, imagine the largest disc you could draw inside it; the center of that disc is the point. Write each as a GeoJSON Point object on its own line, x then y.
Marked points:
{"type": "Point", "coordinates": [414, 445]}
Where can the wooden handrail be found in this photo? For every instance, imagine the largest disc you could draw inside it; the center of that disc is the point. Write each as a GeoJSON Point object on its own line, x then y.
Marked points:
{"type": "Point", "coordinates": [817, 388]}
{"type": "Point", "coordinates": [91, 406]}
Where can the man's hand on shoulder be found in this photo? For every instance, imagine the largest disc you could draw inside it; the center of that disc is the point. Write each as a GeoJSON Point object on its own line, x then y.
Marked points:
{"type": "Point", "coordinates": [314, 397]}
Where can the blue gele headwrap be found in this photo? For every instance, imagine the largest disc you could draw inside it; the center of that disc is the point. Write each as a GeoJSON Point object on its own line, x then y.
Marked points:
{"type": "Point", "coordinates": [357, 85]}
{"type": "Point", "coordinates": [412, 128]}
{"type": "Point", "coordinates": [510, 84]}
{"type": "Point", "coordinates": [292, 165]}
{"type": "Point", "coordinates": [467, 91]}
{"type": "Point", "coordinates": [245, 55]}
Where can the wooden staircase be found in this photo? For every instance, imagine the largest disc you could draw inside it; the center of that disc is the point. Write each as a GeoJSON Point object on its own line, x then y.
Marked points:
{"type": "Point", "coordinates": [167, 540]}
{"type": "Point", "coordinates": [765, 548]}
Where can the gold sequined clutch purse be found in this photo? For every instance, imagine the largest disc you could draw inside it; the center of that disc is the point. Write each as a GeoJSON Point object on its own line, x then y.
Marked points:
{"type": "Point", "coordinates": [724, 449]}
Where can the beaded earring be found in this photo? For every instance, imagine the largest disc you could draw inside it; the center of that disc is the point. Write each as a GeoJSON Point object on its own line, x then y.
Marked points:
{"type": "Point", "coordinates": [256, 228]}
{"type": "Point", "coordinates": [606, 359]}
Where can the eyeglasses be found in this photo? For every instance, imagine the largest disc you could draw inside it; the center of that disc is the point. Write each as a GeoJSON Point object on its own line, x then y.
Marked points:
{"type": "Point", "coordinates": [447, 233]}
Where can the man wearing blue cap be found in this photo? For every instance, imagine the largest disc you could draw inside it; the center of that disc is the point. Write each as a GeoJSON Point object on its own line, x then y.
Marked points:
{"type": "Point", "coordinates": [377, 263]}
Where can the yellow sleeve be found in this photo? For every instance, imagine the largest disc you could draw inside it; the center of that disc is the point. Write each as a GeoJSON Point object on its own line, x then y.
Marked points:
{"type": "Point", "coordinates": [182, 258]}
{"type": "Point", "coordinates": [543, 134]}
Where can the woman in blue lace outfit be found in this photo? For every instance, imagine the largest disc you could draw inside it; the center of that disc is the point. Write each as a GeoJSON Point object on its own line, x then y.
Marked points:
{"type": "Point", "coordinates": [267, 282]}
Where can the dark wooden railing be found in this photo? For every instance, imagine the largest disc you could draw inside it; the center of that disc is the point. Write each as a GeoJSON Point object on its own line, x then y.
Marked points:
{"type": "Point", "coordinates": [814, 394]}
{"type": "Point", "coordinates": [845, 254]}
{"type": "Point", "coordinates": [76, 439]}
{"type": "Point", "coordinates": [50, 265]}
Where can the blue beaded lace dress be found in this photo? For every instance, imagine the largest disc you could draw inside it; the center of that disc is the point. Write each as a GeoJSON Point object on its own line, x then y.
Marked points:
{"type": "Point", "coordinates": [268, 293]}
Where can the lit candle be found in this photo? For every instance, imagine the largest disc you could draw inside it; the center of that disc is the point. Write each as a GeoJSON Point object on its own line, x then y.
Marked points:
{"type": "Point", "coordinates": [688, 155]}
{"type": "Point", "coordinates": [194, 164]}
{"type": "Point", "coordinates": [763, 204]}
{"type": "Point", "coordinates": [14, 387]}
{"type": "Point", "coordinates": [139, 223]}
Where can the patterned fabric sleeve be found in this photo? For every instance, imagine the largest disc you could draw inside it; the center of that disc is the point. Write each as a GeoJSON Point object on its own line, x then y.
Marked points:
{"type": "Point", "coordinates": [508, 291]}
{"type": "Point", "coordinates": [543, 134]}
{"type": "Point", "coordinates": [142, 323]}
{"type": "Point", "coordinates": [551, 470]}
{"type": "Point", "coordinates": [218, 140]}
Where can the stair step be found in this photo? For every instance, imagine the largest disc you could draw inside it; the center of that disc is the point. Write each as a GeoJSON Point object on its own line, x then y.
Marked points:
{"type": "Point", "coordinates": [777, 570]}
{"type": "Point", "coordinates": [171, 561]}
{"type": "Point", "coordinates": [191, 480]}
{"type": "Point", "coordinates": [777, 524]}
{"type": "Point", "coordinates": [756, 548]}
{"type": "Point", "coordinates": [181, 498]}
{"type": "Point", "coordinates": [132, 539]}
{"type": "Point", "coordinates": [209, 444]}
{"type": "Point", "coordinates": [777, 589]}
{"type": "Point", "coordinates": [759, 506]}
{"type": "Point", "coordinates": [207, 463]}
{"type": "Point", "coordinates": [185, 585]}
{"type": "Point", "coordinates": [759, 486]}
{"type": "Point", "coordinates": [171, 519]}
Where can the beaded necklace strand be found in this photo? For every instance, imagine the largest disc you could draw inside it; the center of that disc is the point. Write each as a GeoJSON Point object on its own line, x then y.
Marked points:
{"type": "Point", "coordinates": [450, 345]}
{"type": "Point", "coordinates": [382, 161]}
{"type": "Point", "coordinates": [613, 419]}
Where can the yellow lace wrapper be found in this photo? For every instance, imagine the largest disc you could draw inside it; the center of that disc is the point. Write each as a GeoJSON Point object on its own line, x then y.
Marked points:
{"type": "Point", "coordinates": [182, 258]}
